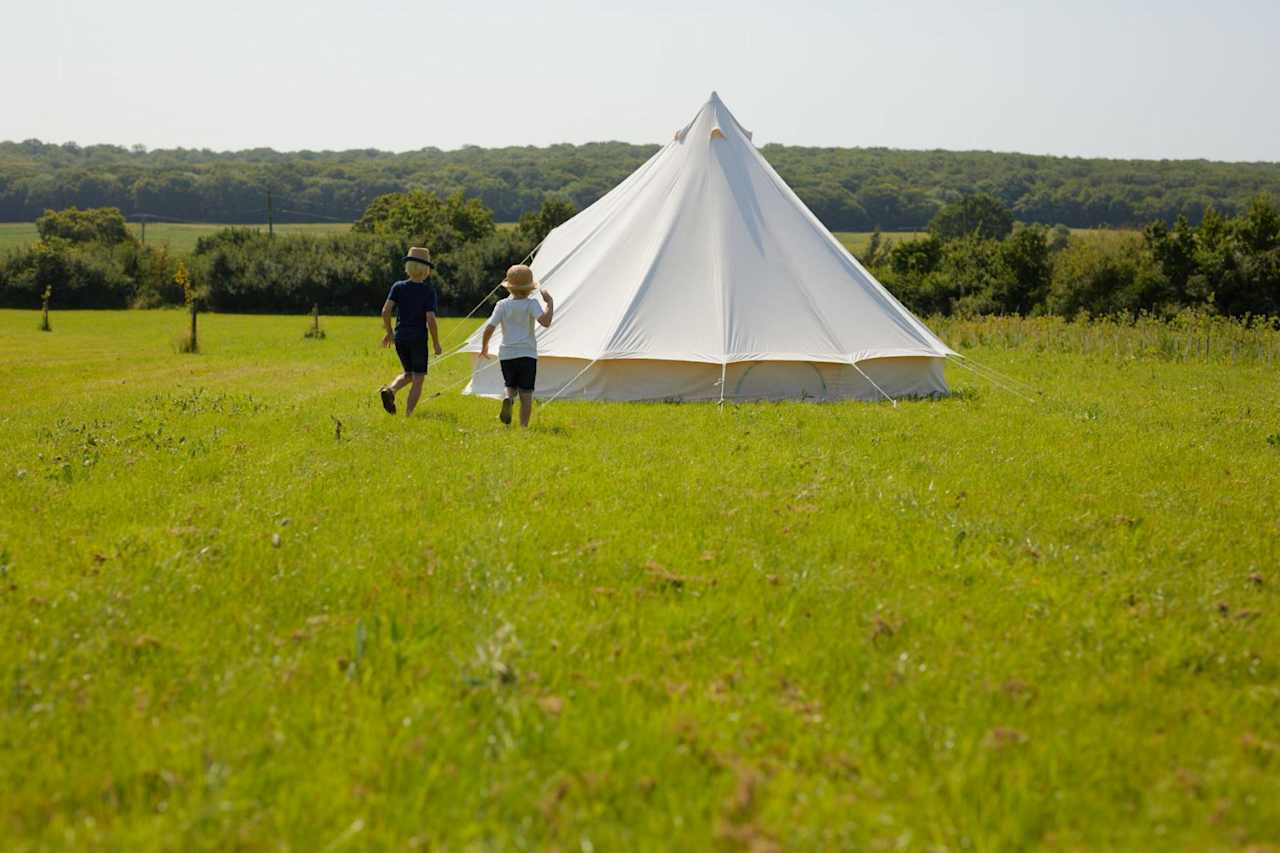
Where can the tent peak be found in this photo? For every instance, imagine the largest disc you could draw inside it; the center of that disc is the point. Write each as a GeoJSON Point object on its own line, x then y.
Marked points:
{"type": "Point", "coordinates": [721, 117]}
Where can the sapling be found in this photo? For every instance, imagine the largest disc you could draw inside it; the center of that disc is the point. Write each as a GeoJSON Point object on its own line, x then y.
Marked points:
{"type": "Point", "coordinates": [44, 308]}
{"type": "Point", "coordinates": [315, 331]}
{"type": "Point", "coordinates": [182, 278]}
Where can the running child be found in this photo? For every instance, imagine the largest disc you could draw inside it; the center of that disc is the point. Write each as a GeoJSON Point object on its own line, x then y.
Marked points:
{"type": "Point", "coordinates": [414, 302]}
{"type": "Point", "coordinates": [519, 350]}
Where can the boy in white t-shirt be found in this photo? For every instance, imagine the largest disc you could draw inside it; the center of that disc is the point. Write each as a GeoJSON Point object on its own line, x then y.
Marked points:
{"type": "Point", "coordinates": [519, 351]}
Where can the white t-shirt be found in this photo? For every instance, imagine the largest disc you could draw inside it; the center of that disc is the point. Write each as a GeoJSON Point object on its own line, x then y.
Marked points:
{"type": "Point", "coordinates": [517, 316]}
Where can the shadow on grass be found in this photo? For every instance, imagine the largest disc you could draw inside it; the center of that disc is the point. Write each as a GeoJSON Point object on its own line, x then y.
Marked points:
{"type": "Point", "coordinates": [430, 414]}
{"type": "Point", "coordinates": [550, 429]}
{"type": "Point", "coordinates": [967, 394]}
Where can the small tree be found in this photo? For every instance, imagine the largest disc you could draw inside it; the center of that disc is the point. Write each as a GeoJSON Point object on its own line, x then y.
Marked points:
{"type": "Point", "coordinates": [426, 219]}
{"type": "Point", "coordinates": [182, 278]}
{"type": "Point", "coordinates": [553, 213]}
{"type": "Point", "coordinates": [95, 224]}
{"type": "Point", "coordinates": [44, 308]}
{"type": "Point", "coordinates": [979, 215]}
{"type": "Point", "coordinates": [1026, 254]}
{"type": "Point", "coordinates": [877, 250]}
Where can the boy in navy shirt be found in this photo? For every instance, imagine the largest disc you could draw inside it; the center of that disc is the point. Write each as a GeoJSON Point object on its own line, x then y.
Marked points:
{"type": "Point", "coordinates": [414, 302]}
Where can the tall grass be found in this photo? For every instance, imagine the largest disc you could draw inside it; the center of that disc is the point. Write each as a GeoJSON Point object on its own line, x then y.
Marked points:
{"type": "Point", "coordinates": [1190, 336]}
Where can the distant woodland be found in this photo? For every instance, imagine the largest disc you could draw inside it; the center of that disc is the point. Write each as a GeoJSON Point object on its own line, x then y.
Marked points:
{"type": "Point", "coordinates": [850, 189]}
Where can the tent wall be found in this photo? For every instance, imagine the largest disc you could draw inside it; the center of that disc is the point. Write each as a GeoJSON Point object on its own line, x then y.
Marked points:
{"type": "Point", "coordinates": [650, 379]}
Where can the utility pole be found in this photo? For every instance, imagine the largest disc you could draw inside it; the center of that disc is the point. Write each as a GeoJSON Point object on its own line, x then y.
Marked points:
{"type": "Point", "coordinates": [144, 231]}
{"type": "Point", "coordinates": [271, 231]}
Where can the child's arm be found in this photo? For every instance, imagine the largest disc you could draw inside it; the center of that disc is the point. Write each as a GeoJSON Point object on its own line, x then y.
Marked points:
{"type": "Point", "coordinates": [545, 319]}
{"type": "Point", "coordinates": [387, 308]}
{"type": "Point", "coordinates": [435, 335]}
{"type": "Point", "coordinates": [492, 323]}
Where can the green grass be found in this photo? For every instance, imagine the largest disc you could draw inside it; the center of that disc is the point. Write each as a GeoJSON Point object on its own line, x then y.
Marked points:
{"type": "Point", "coordinates": [15, 235]}
{"type": "Point", "coordinates": [970, 623]}
{"type": "Point", "coordinates": [856, 241]}
{"type": "Point", "coordinates": [180, 238]}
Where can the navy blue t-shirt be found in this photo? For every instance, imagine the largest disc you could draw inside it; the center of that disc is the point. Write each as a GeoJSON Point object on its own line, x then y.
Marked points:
{"type": "Point", "coordinates": [413, 301]}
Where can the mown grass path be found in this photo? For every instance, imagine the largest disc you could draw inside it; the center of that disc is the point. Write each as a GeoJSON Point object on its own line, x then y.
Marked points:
{"type": "Point", "coordinates": [975, 622]}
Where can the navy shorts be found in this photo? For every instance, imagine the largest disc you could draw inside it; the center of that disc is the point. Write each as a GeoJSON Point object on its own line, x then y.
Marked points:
{"type": "Point", "coordinates": [413, 356]}
{"type": "Point", "coordinates": [519, 372]}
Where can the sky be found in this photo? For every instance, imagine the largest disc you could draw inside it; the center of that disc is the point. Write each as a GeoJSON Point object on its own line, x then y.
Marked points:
{"type": "Point", "coordinates": [1171, 79]}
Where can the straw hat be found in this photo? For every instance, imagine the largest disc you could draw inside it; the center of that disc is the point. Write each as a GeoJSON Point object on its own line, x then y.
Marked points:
{"type": "Point", "coordinates": [419, 254]}
{"type": "Point", "coordinates": [519, 280]}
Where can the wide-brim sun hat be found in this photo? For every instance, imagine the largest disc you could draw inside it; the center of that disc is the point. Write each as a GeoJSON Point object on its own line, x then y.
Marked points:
{"type": "Point", "coordinates": [520, 280]}
{"type": "Point", "coordinates": [420, 255]}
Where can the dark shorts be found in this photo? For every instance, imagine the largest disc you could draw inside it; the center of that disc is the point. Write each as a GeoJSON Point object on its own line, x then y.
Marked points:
{"type": "Point", "coordinates": [519, 372]}
{"type": "Point", "coordinates": [413, 356]}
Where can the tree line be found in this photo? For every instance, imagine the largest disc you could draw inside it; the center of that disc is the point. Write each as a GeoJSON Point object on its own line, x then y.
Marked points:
{"type": "Point", "coordinates": [90, 259]}
{"type": "Point", "coordinates": [974, 260]}
{"type": "Point", "coordinates": [849, 189]}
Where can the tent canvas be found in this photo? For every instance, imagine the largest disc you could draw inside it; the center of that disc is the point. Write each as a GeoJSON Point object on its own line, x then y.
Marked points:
{"type": "Point", "coordinates": [703, 276]}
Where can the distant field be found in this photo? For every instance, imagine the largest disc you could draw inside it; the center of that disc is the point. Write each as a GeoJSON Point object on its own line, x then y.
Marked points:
{"type": "Point", "coordinates": [180, 238]}
{"type": "Point", "coordinates": [856, 241]}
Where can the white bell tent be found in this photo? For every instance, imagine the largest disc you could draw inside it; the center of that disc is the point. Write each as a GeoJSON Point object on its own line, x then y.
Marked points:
{"type": "Point", "coordinates": [702, 276]}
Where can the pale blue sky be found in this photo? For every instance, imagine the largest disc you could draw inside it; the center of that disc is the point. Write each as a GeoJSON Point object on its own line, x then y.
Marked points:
{"type": "Point", "coordinates": [1085, 77]}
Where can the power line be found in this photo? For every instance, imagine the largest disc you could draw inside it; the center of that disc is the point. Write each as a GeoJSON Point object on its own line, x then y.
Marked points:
{"type": "Point", "coordinates": [160, 218]}
{"type": "Point", "coordinates": [316, 215]}
{"type": "Point", "coordinates": [156, 217]}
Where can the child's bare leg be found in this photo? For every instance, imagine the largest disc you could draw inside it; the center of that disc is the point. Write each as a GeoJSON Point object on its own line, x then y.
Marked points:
{"type": "Point", "coordinates": [526, 407]}
{"type": "Point", "coordinates": [508, 394]}
{"type": "Point", "coordinates": [414, 393]}
{"type": "Point", "coordinates": [399, 382]}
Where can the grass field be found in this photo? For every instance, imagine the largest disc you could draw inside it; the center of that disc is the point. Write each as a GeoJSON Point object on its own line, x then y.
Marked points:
{"type": "Point", "coordinates": [856, 241]}
{"type": "Point", "coordinates": [241, 607]}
